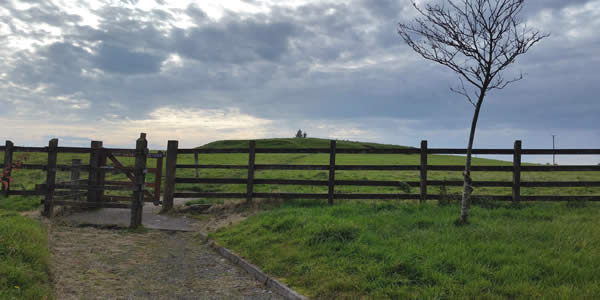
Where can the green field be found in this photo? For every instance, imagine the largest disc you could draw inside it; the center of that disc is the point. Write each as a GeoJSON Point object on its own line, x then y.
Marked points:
{"type": "Point", "coordinates": [410, 251]}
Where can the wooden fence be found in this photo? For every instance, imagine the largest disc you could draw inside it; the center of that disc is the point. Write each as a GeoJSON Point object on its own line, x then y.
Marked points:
{"type": "Point", "coordinates": [517, 168]}
{"type": "Point", "coordinates": [70, 193]}
{"type": "Point", "coordinates": [92, 189]}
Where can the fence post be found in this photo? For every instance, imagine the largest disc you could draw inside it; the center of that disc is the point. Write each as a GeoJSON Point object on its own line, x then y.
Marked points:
{"type": "Point", "coordinates": [516, 188]}
{"type": "Point", "coordinates": [75, 175]}
{"type": "Point", "coordinates": [423, 171]}
{"type": "Point", "coordinates": [170, 169]}
{"type": "Point", "coordinates": [93, 175]}
{"type": "Point", "coordinates": [50, 178]}
{"type": "Point", "coordinates": [101, 173]}
{"type": "Point", "coordinates": [8, 155]}
{"type": "Point", "coordinates": [196, 163]}
{"type": "Point", "coordinates": [251, 160]}
{"type": "Point", "coordinates": [137, 204]}
{"type": "Point", "coordinates": [157, 177]}
{"type": "Point", "coordinates": [331, 183]}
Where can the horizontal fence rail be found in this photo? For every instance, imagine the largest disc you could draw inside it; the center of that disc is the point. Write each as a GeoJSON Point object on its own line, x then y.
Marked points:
{"type": "Point", "coordinates": [399, 151]}
{"type": "Point", "coordinates": [515, 184]}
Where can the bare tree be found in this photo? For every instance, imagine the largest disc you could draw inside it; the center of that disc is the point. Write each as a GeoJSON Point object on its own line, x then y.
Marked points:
{"type": "Point", "coordinates": [477, 39]}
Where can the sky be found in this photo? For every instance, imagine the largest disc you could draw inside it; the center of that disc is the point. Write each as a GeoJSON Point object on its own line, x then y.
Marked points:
{"type": "Point", "coordinates": [200, 71]}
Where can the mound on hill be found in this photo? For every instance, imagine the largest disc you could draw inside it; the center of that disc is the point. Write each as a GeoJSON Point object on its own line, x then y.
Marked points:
{"type": "Point", "coordinates": [296, 143]}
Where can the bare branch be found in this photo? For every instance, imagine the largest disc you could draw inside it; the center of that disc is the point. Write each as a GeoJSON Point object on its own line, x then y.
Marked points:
{"type": "Point", "coordinates": [461, 90]}
{"type": "Point", "coordinates": [477, 39]}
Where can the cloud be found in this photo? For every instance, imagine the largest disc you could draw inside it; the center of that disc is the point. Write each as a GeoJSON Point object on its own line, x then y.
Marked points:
{"type": "Point", "coordinates": [121, 60]}
{"type": "Point", "coordinates": [334, 68]}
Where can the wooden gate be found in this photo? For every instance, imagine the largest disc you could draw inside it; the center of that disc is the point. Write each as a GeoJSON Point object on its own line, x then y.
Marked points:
{"type": "Point", "coordinates": [90, 192]}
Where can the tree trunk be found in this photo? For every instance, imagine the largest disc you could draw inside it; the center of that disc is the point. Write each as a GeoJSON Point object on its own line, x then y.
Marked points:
{"type": "Point", "coordinates": [467, 187]}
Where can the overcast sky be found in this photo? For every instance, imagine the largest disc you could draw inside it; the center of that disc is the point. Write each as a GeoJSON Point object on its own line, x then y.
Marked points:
{"type": "Point", "coordinates": [200, 71]}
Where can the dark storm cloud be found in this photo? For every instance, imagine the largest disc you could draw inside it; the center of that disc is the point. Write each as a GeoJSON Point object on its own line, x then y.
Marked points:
{"type": "Point", "coordinates": [235, 41]}
{"type": "Point", "coordinates": [121, 60]}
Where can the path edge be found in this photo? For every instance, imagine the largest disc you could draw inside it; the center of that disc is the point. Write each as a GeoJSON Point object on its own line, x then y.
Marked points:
{"type": "Point", "coordinates": [253, 270]}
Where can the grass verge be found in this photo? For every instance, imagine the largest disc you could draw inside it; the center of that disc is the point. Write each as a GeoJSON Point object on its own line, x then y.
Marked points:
{"type": "Point", "coordinates": [384, 250]}
{"type": "Point", "coordinates": [24, 252]}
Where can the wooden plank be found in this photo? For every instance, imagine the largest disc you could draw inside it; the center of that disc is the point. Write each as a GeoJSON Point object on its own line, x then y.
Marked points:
{"type": "Point", "coordinates": [74, 150]}
{"type": "Point", "coordinates": [474, 183]}
{"type": "Point", "coordinates": [101, 173]}
{"type": "Point", "coordinates": [112, 198]}
{"type": "Point", "coordinates": [25, 193]}
{"type": "Point", "coordinates": [376, 168]}
{"type": "Point", "coordinates": [560, 184]}
{"type": "Point", "coordinates": [158, 179]}
{"type": "Point", "coordinates": [121, 151]}
{"type": "Point", "coordinates": [170, 171]}
{"type": "Point", "coordinates": [302, 150]}
{"type": "Point", "coordinates": [211, 151]}
{"type": "Point", "coordinates": [331, 185]}
{"type": "Point", "coordinates": [82, 187]}
{"type": "Point", "coordinates": [196, 163]}
{"type": "Point", "coordinates": [120, 183]}
{"type": "Point", "coordinates": [212, 166]}
{"type": "Point", "coordinates": [212, 180]}
{"type": "Point", "coordinates": [30, 149]}
{"type": "Point", "coordinates": [558, 168]}
{"type": "Point", "coordinates": [128, 171]}
{"type": "Point", "coordinates": [75, 173]}
{"type": "Point", "coordinates": [379, 151]}
{"type": "Point", "coordinates": [377, 196]}
{"type": "Point", "coordinates": [95, 146]}
{"type": "Point", "coordinates": [382, 196]}
{"type": "Point", "coordinates": [65, 193]}
{"type": "Point", "coordinates": [292, 182]}
{"type": "Point", "coordinates": [475, 151]}
{"type": "Point", "coordinates": [398, 151]}
{"type": "Point", "coordinates": [137, 203]}
{"type": "Point", "coordinates": [291, 167]}
{"type": "Point", "coordinates": [377, 183]}
{"type": "Point", "coordinates": [50, 178]}
{"type": "Point", "coordinates": [251, 161]}
{"type": "Point", "coordinates": [210, 195]}
{"type": "Point", "coordinates": [92, 204]}
{"type": "Point", "coordinates": [561, 198]}
{"type": "Point", "coordinates": [423, 172]}
{"type": "Point", "coordinates": [473, 168]}
{"type": "Point", "coordinates": [7, 168]}
{"type": "Point", "coordinates": [291, 196]}
{"type": "Point", "coordinates": [516, 188]}
{"type": "Point", "coordinates": [562, 151]}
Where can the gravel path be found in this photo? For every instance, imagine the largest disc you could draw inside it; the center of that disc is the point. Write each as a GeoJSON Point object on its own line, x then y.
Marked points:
{"type": "Point", "coordinates": [118, 216]}
{"type": "Point", "coordinates": [91, 263]}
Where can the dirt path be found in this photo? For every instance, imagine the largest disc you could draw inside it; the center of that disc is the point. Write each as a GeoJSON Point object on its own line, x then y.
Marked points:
{"type": "Point", "coordinates": [94, 263]}
{"type": "Point", "coordinates": [91, 263]}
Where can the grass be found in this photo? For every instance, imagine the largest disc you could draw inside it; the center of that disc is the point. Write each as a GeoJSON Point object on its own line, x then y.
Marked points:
{"type": "Point", "coordinates": [23, 252]}
{"type": "Point", "coordinates": [376, 250]}
{"type": "Point", "coordinates": [402, 250]}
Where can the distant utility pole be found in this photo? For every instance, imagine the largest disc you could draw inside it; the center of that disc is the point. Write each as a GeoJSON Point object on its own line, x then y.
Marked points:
{"type": "Point", "coordinates": [553, 154]}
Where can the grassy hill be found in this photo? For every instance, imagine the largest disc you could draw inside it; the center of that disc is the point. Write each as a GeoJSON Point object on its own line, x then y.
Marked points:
{"type": "Point", "coordinates": [293, 143]}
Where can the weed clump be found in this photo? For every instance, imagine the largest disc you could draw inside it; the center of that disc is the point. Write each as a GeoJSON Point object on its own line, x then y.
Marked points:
{"type": "Point", "coordinates": [341, 234]}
